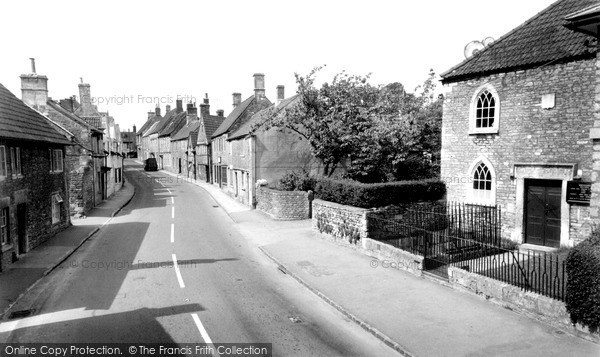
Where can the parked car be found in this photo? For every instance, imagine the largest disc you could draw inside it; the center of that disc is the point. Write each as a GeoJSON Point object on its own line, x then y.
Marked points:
{"type": "Point", "coordinates": [151, 165]}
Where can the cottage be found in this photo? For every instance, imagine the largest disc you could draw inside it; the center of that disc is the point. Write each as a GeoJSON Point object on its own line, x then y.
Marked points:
{"type": "Point", "coordinates": [521, 129]}
{"type": "Point", "coordinates": [203, 144]}
{"type": "Point", "coordinates": [222, 149]}
{"type": "Point", "coordinates": [84, 159]}
{"type": "Point", "coordinates": [33, 183]}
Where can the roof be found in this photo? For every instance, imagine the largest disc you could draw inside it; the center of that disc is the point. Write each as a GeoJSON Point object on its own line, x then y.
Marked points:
{"type": "Point", "coordinates": [185, 132]}
{"type": "Point", "coordinates": [232, 117]}
{"type": "Point", "coordinates": [210, 123]}
{"type": "Point", "coordinates": [541, 40]}
{"type": "Point", "coordinates": [151, 120]}
{"type": "Point", "coordinates": [257, 118]}
{"type": "Point", "coordinates": [60, 109]}
{"type": "Point", "coordinates": [173, 123]}
{"type": "Point", "coordinates": [585, 21]}
{"type": "Point", "coordinates": [19, 121]}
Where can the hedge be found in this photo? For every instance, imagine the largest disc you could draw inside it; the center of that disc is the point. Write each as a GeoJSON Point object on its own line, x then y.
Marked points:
{"type": "Point", "coordinates": [364, 195]}
{"type": "Point", "coordinates": [582, 298]}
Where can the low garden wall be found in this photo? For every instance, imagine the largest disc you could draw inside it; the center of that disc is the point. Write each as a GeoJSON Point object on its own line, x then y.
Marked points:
{"type": "Point", "coordinates": [538, 306]}
{"type": "Point", "coordinates": [284, 205]}
{"type": "Point", "coordinates": [391, 257]}
{"type": "Point", "coordinates": [340, 222]}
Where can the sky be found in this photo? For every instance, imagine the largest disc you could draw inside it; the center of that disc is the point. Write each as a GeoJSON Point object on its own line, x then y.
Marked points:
{"type": "Point", "coordinates": [140, 54]}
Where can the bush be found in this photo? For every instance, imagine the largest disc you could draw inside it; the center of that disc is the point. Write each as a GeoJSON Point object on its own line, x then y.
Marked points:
{"type": "Point", "coordinates": [358, 194]}
{"type": "Point", "coordinates": [583, 284]}
{"type": "Point", "coordinates": [295, 181]}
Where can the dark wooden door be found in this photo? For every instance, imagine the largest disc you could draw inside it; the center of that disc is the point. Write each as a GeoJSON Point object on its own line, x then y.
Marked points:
{"type": "Point", "coordinates": [542, 212]}
{"type": "Point", "coordinates": [22, 227]}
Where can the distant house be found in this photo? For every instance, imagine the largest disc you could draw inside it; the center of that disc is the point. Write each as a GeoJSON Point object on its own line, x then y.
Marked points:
{"type": "Point", "coordinates": [181, 144]}
{"type": "Point", "coordinates": [203, 144]}
{"type": "Point", "coordinates": [173, 121]}
{"type": "Point", "coordinates": [222, 150]}
{"type": "Point", "coordinates": [268, 154]}
{"type": "Point", "coordinates": [85, 159]}
{"type": "Point", "coordinates": [128, 138]}
{"type": "Point", "coordinates": [521, 129]}
{"type": "Point", "coordinates": [146, 150]}
{"type": "Point", "coordinates": [114, 156]}
{"type": "Point", "coordinates": [33, 183]}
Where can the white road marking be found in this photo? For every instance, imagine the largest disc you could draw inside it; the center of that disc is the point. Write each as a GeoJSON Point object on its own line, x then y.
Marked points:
{"type": "Point", "coordinates": [169, 191]}
{"type": "Point", "coordinates": [202, 330]}
{"type": "Point", "coordinates": [173, 212]}
{"type": "Point", "coordinates": [172, 200]}
{"type": "Point", "coordinates": [172, 232]}
{"type": "Point", "coordinates": [179, 278]}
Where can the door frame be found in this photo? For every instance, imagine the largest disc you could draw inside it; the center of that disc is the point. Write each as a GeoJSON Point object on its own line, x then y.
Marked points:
{"type": "Point", "coordinates": [545, 171]}
{"type": "Point", "coordinates": [539, 183]}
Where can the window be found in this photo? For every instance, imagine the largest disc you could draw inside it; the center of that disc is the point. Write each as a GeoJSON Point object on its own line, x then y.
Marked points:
{"type": "Point", "coordinates": [15, 161]}
{"type": "Point", "coordinates": [485, 108]}
{"type": "Point", "coordinates": [56, 160]}
{"type": "Point", "coordinates": [4, 226]}
{"type": "Point", "coordinates": [56, 204]}
{"type": "Point", "coordinates": [3, 170]}
{"type": "Point", "coordinates": [483, 186]}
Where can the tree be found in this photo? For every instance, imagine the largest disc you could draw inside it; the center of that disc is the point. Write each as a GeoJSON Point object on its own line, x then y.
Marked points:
{"type": "Point", "coordinates": [385, 133]}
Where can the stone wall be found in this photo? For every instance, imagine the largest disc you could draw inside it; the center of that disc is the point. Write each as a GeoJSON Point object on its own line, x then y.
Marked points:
{"type": "Point", "coordinates": [34, 189]}
{"type": "Point", "coordinates": [391, 257]}
{"type": "Point", "coordinates": [284, 205]}
{"type": "Point", "coordinates": [534, 305]}
{"type": "Point", "coordinates": [528, 134]}
{"type": "Point", "coordinates": [339, 221]}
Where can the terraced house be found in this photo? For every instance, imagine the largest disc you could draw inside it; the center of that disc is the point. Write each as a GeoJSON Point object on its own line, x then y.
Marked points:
{"type": "Point", "coordinates": [34, 192]}
{"type": "Point", "coordinates": [521, 127]}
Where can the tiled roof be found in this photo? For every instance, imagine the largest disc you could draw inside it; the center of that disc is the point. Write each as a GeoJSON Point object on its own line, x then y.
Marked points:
{"type": "Point", "coordinates": [246, 127]}
{"type": "Point", "coordinates": [146, 125]}
{"type": "Point", "coordinates": [210, 123]}
{"type": "Point", "coordinates": [541, 40]}
{"type": "Point", "coordinates": [232, 117]}
{"type": "Point", "coordinates": [60, 109]}
{"type": "Point", "coordinates": [19, 121]}
{"type": "Point", "coordinates": [185, 132]}
{"type": "Point", "coordinates": [173, 124]}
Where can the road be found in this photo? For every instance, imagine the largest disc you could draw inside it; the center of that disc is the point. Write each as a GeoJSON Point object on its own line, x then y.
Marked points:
{"type": "Point", "coordinates": [172, 267]}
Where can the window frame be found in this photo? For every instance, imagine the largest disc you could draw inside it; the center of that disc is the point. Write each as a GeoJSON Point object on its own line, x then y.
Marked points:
{"type": "Point", "coordinates": [3, 162]}
{"type": "Point", "coordinates": [15, 162]}
{"type": "Point", "coordinates": [5, 226]}
{"type": "Point", "coordinates": [56, 160]}
{"type": "Point", "coordinates": [475, 196]}
{"type": "Point", "coordinates": [494, 129]}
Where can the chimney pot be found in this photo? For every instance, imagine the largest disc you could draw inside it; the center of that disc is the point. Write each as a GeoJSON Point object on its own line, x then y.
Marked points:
{"type": "Point", "coordinates": [280, 93]}
{"type": "Point", "coordinates": [157, 110]}
{"type": "Point", "coordinates": [179, 104]}
{"type": "Point", "coordinates": [221, 113]}
{"type": "Point", "coordinates": [168, 108]}
{"type": "Point", "coordinates": [134, 129]}
{"type": "Point", "coordinates": [33, 65]}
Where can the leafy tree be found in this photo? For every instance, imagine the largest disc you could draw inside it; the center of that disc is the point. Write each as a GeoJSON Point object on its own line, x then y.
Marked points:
{"type": "Point", "coordinates": [385, 133]}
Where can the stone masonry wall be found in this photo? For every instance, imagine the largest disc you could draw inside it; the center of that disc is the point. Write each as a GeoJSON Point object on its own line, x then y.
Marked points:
{"type": "Point", "coordinates": [527, 133]}
{"type": "Point", "coordinates": [284, 205]}
{"type": "Point", "coordinates": [339, 221]}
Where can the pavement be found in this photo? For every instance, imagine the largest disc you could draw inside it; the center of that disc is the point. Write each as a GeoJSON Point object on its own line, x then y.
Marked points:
{"type": "Point", "coordinates": [24, 274]}
{"type": "Point", "coordinates": [413, 315]}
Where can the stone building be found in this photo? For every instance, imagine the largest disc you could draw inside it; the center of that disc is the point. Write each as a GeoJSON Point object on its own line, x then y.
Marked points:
{"type": "Point", "coordinates": [142, 135]}
{"type": "Point", "coordinates": [173, 121]}
{"type": "Point", "coordinates": [259, 154]}
{"type": "Point", "coordinates": [84, 159]}
{"type": "Point", "coordinates": [33, 183]}
{"type": "Point", "coordinates": [222, 149]}
{"type": "Point", "coordinates": [203, 145]}
{"type": "Point", "coordinates": [128, 138]}
{"type": "Point", "coordinates": [520, 129]}
{"type": "Point", "coordinates": [114, 157]}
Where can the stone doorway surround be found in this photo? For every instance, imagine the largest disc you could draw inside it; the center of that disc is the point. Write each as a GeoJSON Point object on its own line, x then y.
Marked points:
{"type": "Point", "coordinates": [544, 171]}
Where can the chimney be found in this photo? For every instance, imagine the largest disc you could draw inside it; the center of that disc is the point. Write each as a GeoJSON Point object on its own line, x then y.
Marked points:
{"type": "Point", "coordinates": [34, 89]}
{"type": "Point", "coordinates": [134, 129]}
{"type": "Point", "coordinates": [168, 108]}
{"type": "Point", "coordinates": [221, 113]}
{"type": "Point", "coordinates": [157, 111]}
{"type": "Point", "coordinates": [205, 107]}
{"type": "Point", "coordinates": [237, 99]}
{"type": "Point", "coordinates": [68, 104]}
{"type": "Point", "coordinates": [179, 103]}
{"type": "Point", "coordinates": [192, 113]}
{"type": "Point", "coordinates": [280, 93]}
{"type": "Point", "coordinates": [85, 98]}
{"type": "Point", "coordinates": [259, 86]}
{"type": "Point", "coordinates": [150, 114]}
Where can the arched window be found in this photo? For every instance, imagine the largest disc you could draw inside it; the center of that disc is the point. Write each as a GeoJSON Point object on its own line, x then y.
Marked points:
{"type": "Point", "coordinates": [485, 107]}
{"type": "Point", "coordinates": [483, 186]}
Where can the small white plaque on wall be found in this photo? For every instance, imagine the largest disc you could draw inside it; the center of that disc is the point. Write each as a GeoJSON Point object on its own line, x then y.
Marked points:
{"type": "Point", "coordinates": [548, 101]}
